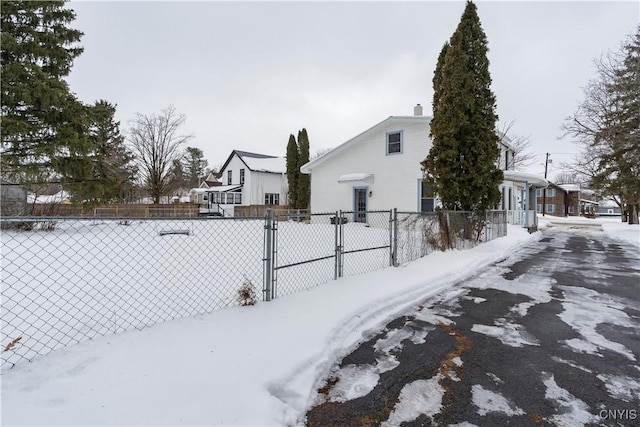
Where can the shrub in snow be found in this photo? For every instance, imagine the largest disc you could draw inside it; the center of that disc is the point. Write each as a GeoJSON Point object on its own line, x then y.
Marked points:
{"type": "Point", "coordinates": [247, 294]}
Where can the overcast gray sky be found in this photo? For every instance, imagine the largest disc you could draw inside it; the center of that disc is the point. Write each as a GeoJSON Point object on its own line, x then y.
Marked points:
{"type": "Point", "coordinates": [248, 74]}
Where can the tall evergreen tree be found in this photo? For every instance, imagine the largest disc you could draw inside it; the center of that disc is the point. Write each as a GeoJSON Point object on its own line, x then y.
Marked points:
{"type": "Point", "coordinates": [179, 180]}
{"type": "Point", "coordinates": [618, 139]}
{"type": "Point", "coordinates": [293, 172]}
{"type": "Point", "coordinates": [39, 113]}
{"type": "Point", "coordinates": [461, 165]}
{"type": "Point", "coordinates": [304, 180]}
{"type": "Point", "coordinates": [438, 77]}
{"type": "Point", "coordinates": [113, 162]}
{"type": "Point", "coordinates": [195, 165]}
{"type": "Point", "coordinates": [97, 168]}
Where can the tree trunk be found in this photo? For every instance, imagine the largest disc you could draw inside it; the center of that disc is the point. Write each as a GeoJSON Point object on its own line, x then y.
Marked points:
{"type": "Point", "coordinates": [633, 213]}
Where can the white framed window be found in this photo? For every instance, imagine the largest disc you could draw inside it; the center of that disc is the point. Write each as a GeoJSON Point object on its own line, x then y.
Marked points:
{"type": "Point", "coordinates": [538, 192]}
{"type": "Point", "coordinates": [570, 210]}
{"type": "Point", "coordinates": [551, 208]}
{"type": "Point", "coordinates": [427, 197]}
{"type": "Point", "coordinates": [271, 198]}
{"type": "Point", "coordinates": [394, 143]}
{"type": "Point", "coordinates": [237, 198]}
{"type": "Point", "coordinates": [241, 176]}
{"type": "Point", "coordinates": [538, 207]}
{"type": "Point", "coordinates": [551, 192]}
{"type": "Point", "coordinates": [229, 177]}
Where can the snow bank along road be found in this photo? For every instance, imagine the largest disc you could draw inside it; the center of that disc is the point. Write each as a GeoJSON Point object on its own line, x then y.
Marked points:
{"type": "Point", "coordinates": [549, 336]}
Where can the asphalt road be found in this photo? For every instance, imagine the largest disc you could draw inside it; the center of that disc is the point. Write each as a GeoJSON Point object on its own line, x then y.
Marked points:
{"type": "Point", "coordinates": [549, 336]}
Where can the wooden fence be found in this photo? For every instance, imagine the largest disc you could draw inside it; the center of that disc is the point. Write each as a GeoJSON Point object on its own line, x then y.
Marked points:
{"type": "Point", "coordinates": [116, 211]}
{"type": "Point", "coordinates": [255, 211]}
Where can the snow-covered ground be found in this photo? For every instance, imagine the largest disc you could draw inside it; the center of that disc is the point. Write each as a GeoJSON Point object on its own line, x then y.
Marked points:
{"type": "Point", "coordinates": [239, 366]}
{"type": "Point", "coordinates": [611, 225]}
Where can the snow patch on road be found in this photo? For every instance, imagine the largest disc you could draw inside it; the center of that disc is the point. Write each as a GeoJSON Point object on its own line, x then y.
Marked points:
{"type": "Point", "coordinates": [573, 410]}
{"type": "Point", "coordinates": [584, 310]}
{"type": "Point", "coordinates": [621, 388]}
{"type": "Point", "coordinates": [489, 401]}
{"type": "Point", "coordinates": [571, 363]}
{"type": "Point", "coordinates": [496, 379]}
{"type": "Point", "coordinates": [359, 380]}
{"type": "Point", "coordinates": [422, 397]}
{"type": "Point", "coordinates": [534, 287]}
{"type": "Point", "coordinates": [354, 381]}
{"type": "Point", "coordinates": [442, 308]}
{"type": "Point", "coordinates": [510, 334]}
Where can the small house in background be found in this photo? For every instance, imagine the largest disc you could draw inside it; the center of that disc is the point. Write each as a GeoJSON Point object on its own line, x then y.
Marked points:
{"type": "Point", "coordinates": [211, 180]}
{"type": "Point", "coordinates": [608, 207]}
{"type": "Point", "coordinates": [199, 195]}
{"type": "Point", "coordinates": [566, 200]}
{"type": "Point", "coordinates": [247, 179]}
{"type": "Point", "coordinates": [13, 199]}
{"type": "Point", "coordinates": [557, 201]}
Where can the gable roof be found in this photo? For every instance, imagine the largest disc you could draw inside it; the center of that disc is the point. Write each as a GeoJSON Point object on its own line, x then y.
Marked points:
{"type": "Point", "coordinates": [258, 162]}
{"type": "Point", "coordinates": [308, 167]}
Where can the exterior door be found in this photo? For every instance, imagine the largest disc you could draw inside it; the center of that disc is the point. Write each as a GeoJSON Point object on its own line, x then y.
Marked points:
{"type": "Point", "coordinates": [360, 204]}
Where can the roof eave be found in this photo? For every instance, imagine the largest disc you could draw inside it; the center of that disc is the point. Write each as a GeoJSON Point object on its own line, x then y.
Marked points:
{"type": "Point", "coordinates": [308, 167]}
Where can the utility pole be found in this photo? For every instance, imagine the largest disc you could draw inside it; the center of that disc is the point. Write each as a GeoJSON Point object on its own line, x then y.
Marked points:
{"type": "Point", "coordinates": [544, 190]}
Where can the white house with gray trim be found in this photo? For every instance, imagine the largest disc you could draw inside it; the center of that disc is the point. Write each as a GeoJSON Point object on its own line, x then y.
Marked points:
{"type": "Point", "coordinates": [379, 169]}
{"type": "Point", "coordinates": [248, 179]}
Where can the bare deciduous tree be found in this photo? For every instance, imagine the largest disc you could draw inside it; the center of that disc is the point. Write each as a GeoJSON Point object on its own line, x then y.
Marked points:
{"type": "Point", "coordinates": [156, 142]}
{"type": "Point", "coordinates": [606, 124]}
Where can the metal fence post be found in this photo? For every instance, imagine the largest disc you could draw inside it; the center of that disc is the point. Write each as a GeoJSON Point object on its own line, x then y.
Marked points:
{"type": "Point", "coordinates": [268, 255]}
{"type": "Point", "coordinates": [336, 247]}
{"type": "Point", "coordinates": [340, 245]}
{"type": "Point", "coordinates": [393, 237]}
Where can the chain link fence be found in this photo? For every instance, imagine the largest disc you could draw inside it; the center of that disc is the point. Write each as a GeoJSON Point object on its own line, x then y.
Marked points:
{"type": "Point", "coordinates": [67, 280]}
{"type": "Point", "coordinates": [419, 234]}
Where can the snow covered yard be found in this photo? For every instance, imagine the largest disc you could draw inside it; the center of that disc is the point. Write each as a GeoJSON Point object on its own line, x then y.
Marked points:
{"type": "Point", "coordinates": [239, 366]}
{"type": "Point", "coordinates": [85, 279]}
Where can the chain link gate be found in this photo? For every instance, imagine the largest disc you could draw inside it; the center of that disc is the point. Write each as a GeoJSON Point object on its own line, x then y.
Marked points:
{"type": "Point", "coordinates": [303, 250]}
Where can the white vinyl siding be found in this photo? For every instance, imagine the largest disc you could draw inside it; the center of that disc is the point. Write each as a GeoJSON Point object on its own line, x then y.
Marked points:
{"type": "Point", "coordinates": [396, 178]}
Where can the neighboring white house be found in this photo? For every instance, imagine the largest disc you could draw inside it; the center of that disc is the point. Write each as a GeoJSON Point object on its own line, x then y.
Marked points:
{"type": "Point", "coordinates": [379, 169]}
{"type": "Point", "coordinates": [249, 179]}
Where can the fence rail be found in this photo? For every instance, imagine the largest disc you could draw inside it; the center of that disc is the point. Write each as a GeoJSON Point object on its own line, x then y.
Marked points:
{"type": "Point", "coordinates": [115, 211]}
{"type": "Point", "coordinates": [70, 279]}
